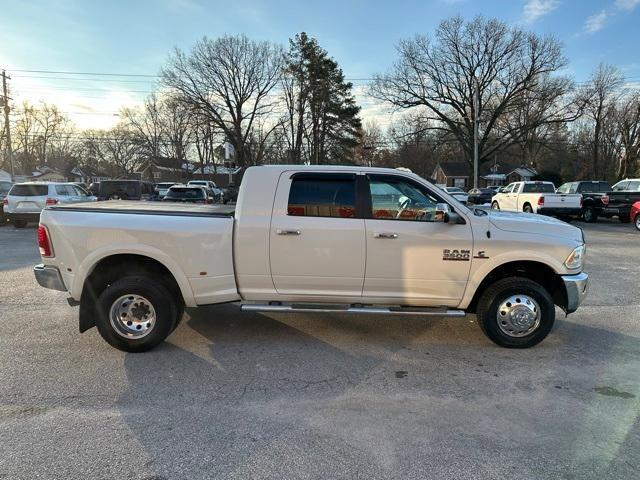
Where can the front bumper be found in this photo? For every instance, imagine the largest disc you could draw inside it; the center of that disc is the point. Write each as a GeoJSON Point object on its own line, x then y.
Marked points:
{"type": "Point", "coordinates": [49, 277]}
{"type": "Point", "coordinates": [577, 287]}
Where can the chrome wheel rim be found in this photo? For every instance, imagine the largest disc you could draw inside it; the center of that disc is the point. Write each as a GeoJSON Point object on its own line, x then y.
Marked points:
{"type": "Point", "coordinates": [588, 215]}
{"type": "Point", "coordinates": [518, 315]}
{"type": "Point", "coordinates": [638, 222]}
{"type": "Point", "coordinates": [132, 316]}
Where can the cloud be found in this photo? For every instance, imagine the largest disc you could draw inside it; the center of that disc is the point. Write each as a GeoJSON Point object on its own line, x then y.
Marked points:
{"type": "Point", "coordinates": [596, 22]}
{"type": "Point", "coordinates": [535, 9]}
{"type": "Point", "coordinates": [627, 4]}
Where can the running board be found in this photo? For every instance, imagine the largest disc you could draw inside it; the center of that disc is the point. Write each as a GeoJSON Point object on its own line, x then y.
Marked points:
{"type": "Point", "coordinates": [440, 312]}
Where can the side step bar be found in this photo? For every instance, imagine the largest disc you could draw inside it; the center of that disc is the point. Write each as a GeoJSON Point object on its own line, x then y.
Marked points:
{"type": "Point", "coordinates": [268, 307]}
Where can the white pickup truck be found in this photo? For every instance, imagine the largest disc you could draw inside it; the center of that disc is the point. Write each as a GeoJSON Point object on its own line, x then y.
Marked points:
{"type": "Point", "coordinates": [537, 197]}
{"type": "Point", "coordinates": [312, 239]}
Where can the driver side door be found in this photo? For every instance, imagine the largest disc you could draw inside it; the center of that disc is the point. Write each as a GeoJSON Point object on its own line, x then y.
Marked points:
{"type": "Point", "coordinates": [412, 257]}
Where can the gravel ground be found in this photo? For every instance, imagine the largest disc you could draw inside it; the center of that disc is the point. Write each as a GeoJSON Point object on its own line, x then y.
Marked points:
{"type": "Point", "coordinates": [242, 396]}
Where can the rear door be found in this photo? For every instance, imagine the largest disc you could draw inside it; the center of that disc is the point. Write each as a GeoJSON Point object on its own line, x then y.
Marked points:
{"type": "Point", "coordinates": [317, 241]}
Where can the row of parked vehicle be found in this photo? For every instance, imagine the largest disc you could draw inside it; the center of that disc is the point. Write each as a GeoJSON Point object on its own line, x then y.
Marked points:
{"type": "Point", "coordinates": [21, 203]}
{"type": "Point", "coordinates": [588, 200]}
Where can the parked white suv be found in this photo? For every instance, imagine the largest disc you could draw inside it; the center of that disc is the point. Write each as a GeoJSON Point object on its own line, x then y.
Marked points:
{"type": "Point", "coordinates": [25, 201]}
{"type": "Point", "coordinates": [209, 185]}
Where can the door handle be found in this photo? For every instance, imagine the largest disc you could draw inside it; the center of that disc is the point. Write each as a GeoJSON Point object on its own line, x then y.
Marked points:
{"type": "Point", "coordinates": [385, 235]}
{"type": "Point", "coordinates": [280, 231]}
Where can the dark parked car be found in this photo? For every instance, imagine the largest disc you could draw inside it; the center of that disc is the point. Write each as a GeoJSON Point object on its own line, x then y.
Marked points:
{"type": "Point", "coordinates": [230, 194]}
{"type": "Point", "coordinates": [595, 197]}
{"type": "Point", "coordinates": [122, 190]}
{"type": "Point", "coordinates": [4, 189]}
{"type": "Point", "coordinates": [480, 196]}
{"type": "Point", "coordinates": [187, 194]}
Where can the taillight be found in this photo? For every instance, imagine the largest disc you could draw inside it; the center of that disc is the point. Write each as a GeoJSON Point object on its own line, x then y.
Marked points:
{"type": "Point", "coordinates": [5, 201]}
{"type": "Point", "coordinates": [541, 201]}
{"type": "Point", "coordinates": [605, 199]}
{"type": "Point", "coordinates": [44, 242]}
{"type": "Point", "coordinates": [51, 201]}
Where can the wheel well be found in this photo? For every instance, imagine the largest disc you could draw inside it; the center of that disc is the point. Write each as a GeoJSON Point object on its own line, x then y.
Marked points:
{"type": "Point", "coordinates": [536, 271]}
{"type": "Point", "coordinates": [114, 267]}
{"type": "Point", "coordinates": [525, 205]}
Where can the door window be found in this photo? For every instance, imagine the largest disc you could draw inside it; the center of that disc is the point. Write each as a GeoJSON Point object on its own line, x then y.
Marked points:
{"type": "Point", "coordinates": [322, 196]}
{"type": "Point", "coordinates": [396, 199]}
{"type": "Point", "coordinates": [63, 191]}
{"type": "Point", "coordinates": [620, 187]}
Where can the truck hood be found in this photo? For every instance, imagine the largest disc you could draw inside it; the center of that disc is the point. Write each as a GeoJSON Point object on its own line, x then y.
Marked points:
{"type": "Point", "coordinates": [534, 223]}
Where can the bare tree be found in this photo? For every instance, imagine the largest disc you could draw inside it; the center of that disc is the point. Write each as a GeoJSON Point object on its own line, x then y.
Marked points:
{"type": "Point", "coordinates": [504, 64]}
{"type": "Point", "coordinates": [147, 123]}
{"type": "Point", "coordinates": [598, 96]}
{"type": "Point", "coordinates": [228, 80]}
{"type": "Point", "coordinates": [627, 125]}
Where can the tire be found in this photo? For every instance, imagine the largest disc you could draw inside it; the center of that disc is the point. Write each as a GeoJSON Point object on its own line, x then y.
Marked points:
{"type": "Point", "coordinates": [636, 222]}
{"type": "Point", "coordinates": [527, 208]}
{"type": "Point", "coordinates": [497, 296]}
{"type": "Point", "coordinates": [624, 218]}
{"type": "Point", "coordinates": [589, 215]}
{"type": "Point", "coordinates": [495, 206]}
{"type": "Point", "coordinates": [19, 223]}
{"type": "Point", "coordinates": [162, 316]}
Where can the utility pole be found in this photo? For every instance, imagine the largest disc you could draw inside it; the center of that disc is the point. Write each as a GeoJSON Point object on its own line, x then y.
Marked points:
{"type": "Point", "coordinates": [476, 121]}
{"type": "Point", "coordinates": [5, 102]}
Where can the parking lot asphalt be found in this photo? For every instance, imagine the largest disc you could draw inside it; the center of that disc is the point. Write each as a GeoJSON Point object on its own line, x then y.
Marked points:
{"type": "Point", "coordinates": [233, 395]}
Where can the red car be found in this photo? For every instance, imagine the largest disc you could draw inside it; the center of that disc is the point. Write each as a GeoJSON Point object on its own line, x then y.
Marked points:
{"type": "Point", "coordinates": [634, 216]}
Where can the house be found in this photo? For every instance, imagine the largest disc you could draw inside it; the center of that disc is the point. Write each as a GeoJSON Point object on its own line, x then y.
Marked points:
{"type": "Point", "coordinates": [499, 175]}
{"type": "Point", "coordinates": [47, 174]}
{"type": "Point", "coordinates": [454, 174]}
{"type": "Point", "coordinates": [163, 169]}
{"type": "Point", "coordinates": [87, 175]}
{"type": "Point", "coordinates": [521, 174]}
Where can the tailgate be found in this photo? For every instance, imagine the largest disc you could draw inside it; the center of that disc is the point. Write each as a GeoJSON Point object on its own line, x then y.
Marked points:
{"type": "Point", "coordinates": [24, 204]}
{"type": "Point", "coordinates": [561, 200]}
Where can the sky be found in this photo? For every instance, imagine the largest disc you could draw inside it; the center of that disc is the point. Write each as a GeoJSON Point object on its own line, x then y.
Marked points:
{"type": "Point", "coordinates": [136, 37]}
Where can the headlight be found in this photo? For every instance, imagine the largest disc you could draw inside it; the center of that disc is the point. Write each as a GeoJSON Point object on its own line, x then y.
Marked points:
{"type": "Point", "coordinates": [576, 258]}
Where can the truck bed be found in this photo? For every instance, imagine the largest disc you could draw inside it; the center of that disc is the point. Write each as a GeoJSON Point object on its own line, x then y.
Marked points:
{"type": "Point", "coordinates": [150, 208]}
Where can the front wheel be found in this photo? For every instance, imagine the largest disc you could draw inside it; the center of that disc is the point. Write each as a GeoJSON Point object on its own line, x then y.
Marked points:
{"type": "Point", "coordinates": [136, 313]}
{"type": "Point", "coordinates": [516, 312]}
{"type": "Point", "coordinates": [636, 222]}
{"type": "Point", "coordinates": [495, 206]}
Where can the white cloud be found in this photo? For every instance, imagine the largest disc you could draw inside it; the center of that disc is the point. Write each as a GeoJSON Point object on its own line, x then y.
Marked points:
{"type": "Point", "coordinates": [627, 4]}
{"type": "Point", "coordinates": [534, 9]}
{"type": "Point", "coordinates": [596, 22]}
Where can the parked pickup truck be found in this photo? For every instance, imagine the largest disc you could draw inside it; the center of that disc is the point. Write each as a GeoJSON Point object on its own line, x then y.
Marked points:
{"type": "Point", "coordinates": [312, 239]}
{"type": "Point", "coordinates": [595, 197]}
{"type": "Point", "coordinates": [537, 197]}
{"type": "Point", "coordinates": [624, 194]}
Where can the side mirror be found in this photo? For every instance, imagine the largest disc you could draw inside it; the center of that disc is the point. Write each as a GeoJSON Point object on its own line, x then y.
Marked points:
{"type": "Point", "coordinates": [442, 213]}
{"type": "Point", "coordinates": [445, 215]}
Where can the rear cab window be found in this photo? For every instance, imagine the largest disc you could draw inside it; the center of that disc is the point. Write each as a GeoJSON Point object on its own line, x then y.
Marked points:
{"type": "Point", "coordinates": [29, 190]}
{"type": "Point", "coordinates": [322, 195]}
{"type": "Point", "coordinates": [538, 188]}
